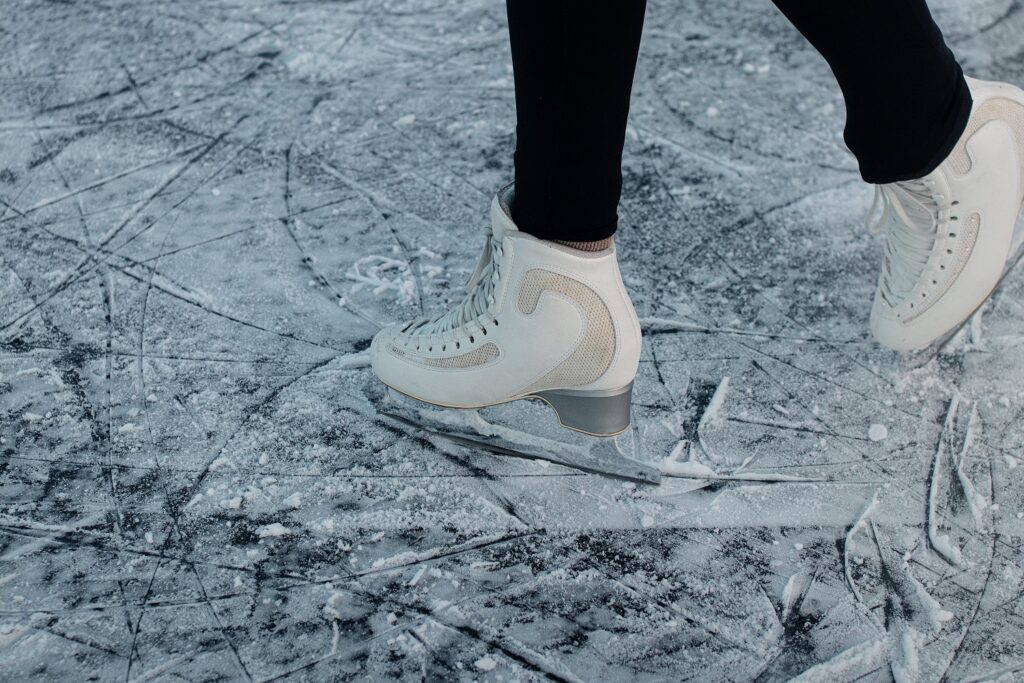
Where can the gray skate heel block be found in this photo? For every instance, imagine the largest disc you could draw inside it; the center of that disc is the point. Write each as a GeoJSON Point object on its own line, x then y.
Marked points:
{"type": "Point", "coordinates": [596, 412]}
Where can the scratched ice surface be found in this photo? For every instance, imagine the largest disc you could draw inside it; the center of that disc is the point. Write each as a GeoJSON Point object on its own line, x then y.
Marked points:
{"type": "Point", "coordinates": [209, 207]}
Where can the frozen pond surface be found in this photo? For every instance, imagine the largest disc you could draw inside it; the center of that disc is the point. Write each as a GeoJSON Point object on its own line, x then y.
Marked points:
{"type": "Point", "coordinates": [207, 209]}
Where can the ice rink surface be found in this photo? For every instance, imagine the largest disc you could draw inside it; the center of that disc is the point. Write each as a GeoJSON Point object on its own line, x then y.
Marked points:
{"type": "Point", "coordinates": [208, 208]}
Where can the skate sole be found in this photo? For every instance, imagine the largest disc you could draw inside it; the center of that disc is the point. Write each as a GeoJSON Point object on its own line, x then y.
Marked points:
{"type": "Point", "coordinates": [600, 413]}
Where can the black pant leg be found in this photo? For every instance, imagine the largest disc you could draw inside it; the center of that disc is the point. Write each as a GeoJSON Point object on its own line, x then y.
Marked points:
{"type": "Point", "coordinates": [573, 63]}
{"type": "Point", "coordinates": [906, 98]}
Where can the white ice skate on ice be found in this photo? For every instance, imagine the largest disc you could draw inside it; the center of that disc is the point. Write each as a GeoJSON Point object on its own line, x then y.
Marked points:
{"type": "Point", "coordinates": [539, 321]}
{"type": "Point", "coordinates": [950, 234]}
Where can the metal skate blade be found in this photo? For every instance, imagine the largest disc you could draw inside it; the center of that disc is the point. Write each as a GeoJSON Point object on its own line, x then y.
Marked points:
{"type": "Point", "coordinates": [549, 442]}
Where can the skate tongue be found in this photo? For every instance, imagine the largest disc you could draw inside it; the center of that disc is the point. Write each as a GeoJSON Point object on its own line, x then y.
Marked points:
{"type": "Point", "coordinates": [501, 213]}
{"type": "Point", "coordinates": [501, 223]}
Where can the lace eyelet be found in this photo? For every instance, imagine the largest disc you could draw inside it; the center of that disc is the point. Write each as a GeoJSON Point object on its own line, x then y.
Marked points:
{"type": "Point", "coordinates": [457, 345]}
{"type": "Point", "coordinates": [484, 330]}
{"type": "Point", "coordinates": [471, 340]}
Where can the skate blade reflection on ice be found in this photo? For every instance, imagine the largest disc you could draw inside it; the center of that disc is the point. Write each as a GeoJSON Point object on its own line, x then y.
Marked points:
{"type": "Point", "coordinates": [499, 430]}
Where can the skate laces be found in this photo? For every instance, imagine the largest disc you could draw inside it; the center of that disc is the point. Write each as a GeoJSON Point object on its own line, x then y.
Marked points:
{"type": "Point", "coordinates": [911, 216]}
{"type": "Point", "coordinates": [479, 293]}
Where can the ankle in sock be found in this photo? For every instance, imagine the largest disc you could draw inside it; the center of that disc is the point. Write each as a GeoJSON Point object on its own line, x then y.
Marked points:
{"type": "Point", "coordinates": [596, 245]}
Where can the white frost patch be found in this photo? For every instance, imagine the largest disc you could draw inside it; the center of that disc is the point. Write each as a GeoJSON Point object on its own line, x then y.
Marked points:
{"type": "Point", "coordinates": [945, 547]}
{"type": "Point", "coordinates": [419, 575]}
{"type": "Point", "coordinates": [796, 586]}
{"type": "Point", "coordinates": [927, 607]}
{"type": "Point", "coordinates": [906, 665]}
{"type": "Point", "coordinates": [383, 275]}
{"type": "Point", "coordinates": [1011, 462]}
{"type": "Point", "coordinates": [293, 501]}
{"type": "Point", "coordinates": [221, 463]}
{"type": "Point", "coordinates": [714, 409]}
{"type": "Point", "coordinates": [849, 664]}
{"type": "Point", "coordinates": [351, 361]}
{"type": "Point", "coordinates": [686, 469]}
{"type": "Point", "coordinates": [274, 530]}
{"type": "Point", "coordinates": [486, 663]}
{"type": "Point", "coordinates": [334, 604]}
{"type": "Point", "coordinates": [878, 432]}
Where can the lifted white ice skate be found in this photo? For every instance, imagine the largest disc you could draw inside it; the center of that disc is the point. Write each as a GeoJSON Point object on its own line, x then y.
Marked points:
{"type": "Point", "coordinates": [950, 235]}
{"type": "Point", "coordinates": [539, 321]}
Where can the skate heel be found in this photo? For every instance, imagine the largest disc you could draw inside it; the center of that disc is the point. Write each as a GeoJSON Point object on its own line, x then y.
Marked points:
{"type": "Point", "coordinates": [596, 412]}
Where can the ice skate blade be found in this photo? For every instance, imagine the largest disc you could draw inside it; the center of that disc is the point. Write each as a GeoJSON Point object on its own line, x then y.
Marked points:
{"type": "Point", "coordinates": [599, 413]}
{"type": "Point", "coordinates": [506, 436]}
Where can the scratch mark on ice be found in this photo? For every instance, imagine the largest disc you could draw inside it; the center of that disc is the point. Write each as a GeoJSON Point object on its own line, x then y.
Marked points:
{"type": "Point", "coordinates": [939, 541]}
{"type": "Point", "coordinates": [861, 523]}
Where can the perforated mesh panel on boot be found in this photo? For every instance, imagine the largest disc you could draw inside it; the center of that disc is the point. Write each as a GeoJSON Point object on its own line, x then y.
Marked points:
{"type": "Point", "coordinates": [594, 354]}
{"type": "Point", "coordinates": [478, 356]}
{"type": "Point", "coordinates": [997, 108]}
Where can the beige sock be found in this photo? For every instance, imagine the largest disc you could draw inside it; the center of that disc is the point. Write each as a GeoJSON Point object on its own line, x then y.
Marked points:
{"type": "Point", "coordinates": [598, 245]}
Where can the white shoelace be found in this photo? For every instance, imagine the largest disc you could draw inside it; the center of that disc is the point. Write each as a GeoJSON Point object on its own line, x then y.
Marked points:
{"type": "Point", "coordinates": [479, 294]}
{"type": "Point", "coordinates": [911, 216]}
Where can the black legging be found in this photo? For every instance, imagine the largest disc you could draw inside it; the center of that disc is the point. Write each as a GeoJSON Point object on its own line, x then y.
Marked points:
{"type": "Point", "coordinates": [906, 98]}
